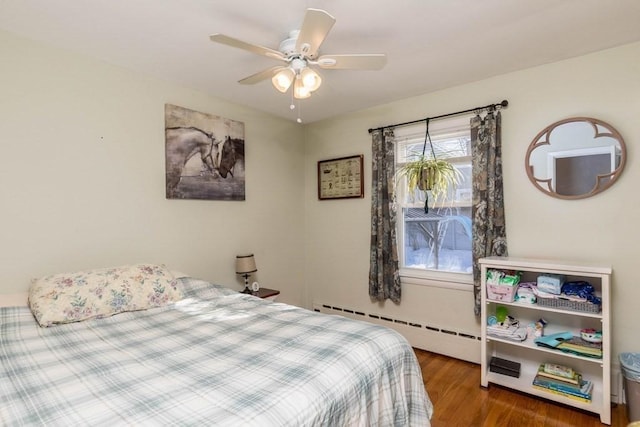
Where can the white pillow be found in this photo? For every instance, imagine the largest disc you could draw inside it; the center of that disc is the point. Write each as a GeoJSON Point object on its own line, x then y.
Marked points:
{"type": "Point", "coordinates": [72, 297]}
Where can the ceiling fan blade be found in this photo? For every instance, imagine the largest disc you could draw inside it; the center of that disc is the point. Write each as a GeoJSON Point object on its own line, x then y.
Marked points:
{"type": "Point", "coordinates": [371, 61]}
{"type": "Point", "coordinates": [314, 30]}
{"type": "Point", "coordinates": [254, 48]}
{"type": "Point", "coordinates": [260, 76]}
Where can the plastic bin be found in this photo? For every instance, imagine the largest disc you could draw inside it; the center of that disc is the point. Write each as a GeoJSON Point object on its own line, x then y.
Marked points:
{"type": "Point", "coordinates": [630, 364]}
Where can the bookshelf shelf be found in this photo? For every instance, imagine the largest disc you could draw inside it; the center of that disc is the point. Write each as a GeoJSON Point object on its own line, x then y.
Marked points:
{"type": "Point", "coordinates": [528, 354]}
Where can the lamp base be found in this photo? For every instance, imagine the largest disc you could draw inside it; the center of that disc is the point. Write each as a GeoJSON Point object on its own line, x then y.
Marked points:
{"type": "Point", "coordinates": [246, 289]}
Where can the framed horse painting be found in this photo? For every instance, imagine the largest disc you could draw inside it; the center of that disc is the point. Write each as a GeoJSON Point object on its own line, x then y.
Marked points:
{"type": "Point", "coordinates": [204, 155]}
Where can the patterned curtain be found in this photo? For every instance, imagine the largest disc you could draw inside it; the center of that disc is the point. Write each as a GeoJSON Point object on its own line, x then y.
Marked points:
{"type": "Point", "coordinates": [489, 228]}
{"type": "Point", "coordinates": [384, 277]}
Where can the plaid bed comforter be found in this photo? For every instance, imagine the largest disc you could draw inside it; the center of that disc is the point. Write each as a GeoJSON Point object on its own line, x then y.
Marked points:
{"type": "Point", "coordinates": [216, 358]}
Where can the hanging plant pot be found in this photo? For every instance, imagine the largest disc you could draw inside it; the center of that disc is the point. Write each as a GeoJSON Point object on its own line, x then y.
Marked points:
{"type": "Point", "coordinates": [436, 176]}
{"type": "Point", "coordinates": [427, 178]}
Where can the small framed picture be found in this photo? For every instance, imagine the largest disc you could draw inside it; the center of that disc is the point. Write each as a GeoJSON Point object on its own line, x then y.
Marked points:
{"type": "Point", "coordinates": [341, 178]}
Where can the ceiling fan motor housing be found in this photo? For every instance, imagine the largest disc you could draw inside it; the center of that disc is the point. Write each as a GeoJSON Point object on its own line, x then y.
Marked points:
{"type": "Point", "coordinates": [288, 47]}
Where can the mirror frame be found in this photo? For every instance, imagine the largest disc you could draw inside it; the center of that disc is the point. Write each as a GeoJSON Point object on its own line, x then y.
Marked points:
{"type": "Point", "coordinates": [543, 138]}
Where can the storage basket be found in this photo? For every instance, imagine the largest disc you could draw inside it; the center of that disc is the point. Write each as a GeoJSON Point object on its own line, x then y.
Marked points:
{"type": "Point", "coordinates": [497, 292]}
{"type": "Point", "coordinates": [567, 304]}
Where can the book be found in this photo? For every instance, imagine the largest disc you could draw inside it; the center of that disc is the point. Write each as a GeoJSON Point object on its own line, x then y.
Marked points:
{"type": "Point", "coordinates": [577, 345]}
{"type": "Point", "coordinates": [574, 381]}
{"type": "Point", "coordinates": [559, 372]}
{"type": "Point", "coordinates": [550, 382]}
{"type": "Point", "coordinates": [583, 389]}
{"type": "Point", "coordinates": [567, 395]}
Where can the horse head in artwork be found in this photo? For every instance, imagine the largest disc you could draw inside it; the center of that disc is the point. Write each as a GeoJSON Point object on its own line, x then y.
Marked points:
{"type": "Point", "coordinates": [182, 143]}
{"type": "Point", "coordinates": [227, 157]}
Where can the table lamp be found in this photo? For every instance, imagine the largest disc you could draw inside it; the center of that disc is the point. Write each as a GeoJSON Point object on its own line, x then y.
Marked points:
{"type": "Point", "coordinates": [245, 265]}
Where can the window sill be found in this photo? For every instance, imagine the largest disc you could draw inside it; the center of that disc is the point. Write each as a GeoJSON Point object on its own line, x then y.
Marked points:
{"type": "Point", "coordinates": [437, 279]}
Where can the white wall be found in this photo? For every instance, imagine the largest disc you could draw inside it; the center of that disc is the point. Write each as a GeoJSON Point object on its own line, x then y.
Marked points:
{"type": "Point", "coordinates": [603, 229]}
{"type": "Point", "coordinates": [82, 168]}
{"type": "Point", "coordinates": [83, 185]}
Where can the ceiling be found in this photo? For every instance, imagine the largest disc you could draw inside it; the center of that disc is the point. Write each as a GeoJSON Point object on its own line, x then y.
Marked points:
{"type": "Point", "coordinates": [430, 44]}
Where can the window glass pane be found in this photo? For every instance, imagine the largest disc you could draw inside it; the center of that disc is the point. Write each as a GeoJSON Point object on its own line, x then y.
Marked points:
{"type": "Point", "coordinates": [440, 239]}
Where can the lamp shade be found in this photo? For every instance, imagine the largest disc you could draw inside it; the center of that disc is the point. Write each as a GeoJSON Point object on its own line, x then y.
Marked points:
{"type": "Point", "coordinates": [245, 264]}
{"type": "Point", "coordinates": [299, 91]}
{"type": "Point", "coordinates": [283, 79]}
{"type": "Point", "coordinates": [310, 79]}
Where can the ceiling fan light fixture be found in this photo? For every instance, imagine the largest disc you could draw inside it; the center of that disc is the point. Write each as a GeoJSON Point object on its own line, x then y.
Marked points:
{"type": "Point", "coordinates": [282, 79]}
{"type": "Point", "coordinates": [310, 79]}
{"type": "Point", "coordinates": [299, 90]}
{"type": "Point", "coordinates": [298, 52]}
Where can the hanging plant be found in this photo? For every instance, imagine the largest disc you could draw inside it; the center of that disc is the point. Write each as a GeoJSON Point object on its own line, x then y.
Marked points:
{"type": "Point", "coordinates": [433, 175]}
{"type": "Point", "coordinates": [430, 174]}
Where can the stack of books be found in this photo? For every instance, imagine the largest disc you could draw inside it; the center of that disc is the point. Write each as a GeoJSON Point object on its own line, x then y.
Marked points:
{"type": "Point", "coordinates": [577, 345]}
{"type": "Point", "coordinates": [563, 381]}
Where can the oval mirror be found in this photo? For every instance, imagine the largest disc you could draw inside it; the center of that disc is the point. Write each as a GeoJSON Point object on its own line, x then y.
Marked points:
{"type": "Point", "coordinates": [575, 158]}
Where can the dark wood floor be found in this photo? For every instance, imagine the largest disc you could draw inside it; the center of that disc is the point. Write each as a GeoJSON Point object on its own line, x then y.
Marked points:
{"type": "Point", "coordinates": [459, 400]}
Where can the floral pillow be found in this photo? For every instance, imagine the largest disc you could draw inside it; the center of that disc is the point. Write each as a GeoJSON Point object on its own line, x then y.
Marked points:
{"type": "Point", "coordinates": [72, 297]}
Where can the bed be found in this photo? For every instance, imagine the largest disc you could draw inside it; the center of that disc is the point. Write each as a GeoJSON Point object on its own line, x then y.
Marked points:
{"type": "Point", "coordinates": [212, 357]}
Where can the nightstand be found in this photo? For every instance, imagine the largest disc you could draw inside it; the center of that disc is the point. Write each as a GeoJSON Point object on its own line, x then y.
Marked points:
{"type": "Point", "coordinates": [266, 293]}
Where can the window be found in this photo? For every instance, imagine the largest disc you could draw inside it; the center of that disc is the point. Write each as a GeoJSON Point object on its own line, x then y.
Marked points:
{"type": "Point", "coordinates": [440, 240]}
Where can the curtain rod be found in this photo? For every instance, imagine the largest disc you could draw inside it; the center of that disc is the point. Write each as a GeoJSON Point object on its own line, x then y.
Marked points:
{"type": "Point", "coordinates": [490, 107]}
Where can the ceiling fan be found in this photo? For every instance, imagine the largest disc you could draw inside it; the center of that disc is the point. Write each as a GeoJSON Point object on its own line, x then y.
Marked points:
{"type": "Point", "coordinates": [299, 51]}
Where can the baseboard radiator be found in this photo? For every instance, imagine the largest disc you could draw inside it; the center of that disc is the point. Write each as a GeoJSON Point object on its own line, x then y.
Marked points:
{"type": "Point", "coordinates": [462, 345]}
{"type": "Point", "coordinates": [442, 340]}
